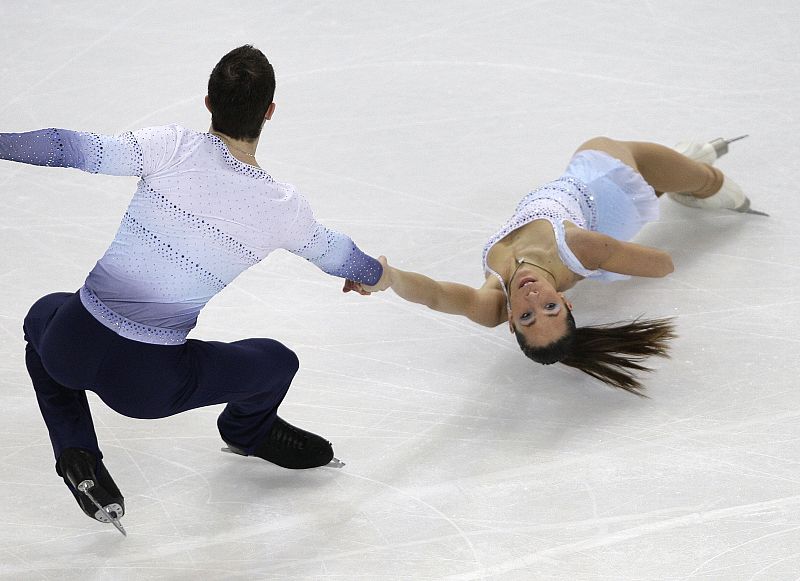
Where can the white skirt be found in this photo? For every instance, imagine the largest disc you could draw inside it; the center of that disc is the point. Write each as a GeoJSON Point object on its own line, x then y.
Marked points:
{"type": "Point", "coordinates": [625, 202]}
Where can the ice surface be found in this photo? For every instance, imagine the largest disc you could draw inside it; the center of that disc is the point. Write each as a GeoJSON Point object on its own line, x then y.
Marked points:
{"type": "Point", "coordinates": [416, 127]}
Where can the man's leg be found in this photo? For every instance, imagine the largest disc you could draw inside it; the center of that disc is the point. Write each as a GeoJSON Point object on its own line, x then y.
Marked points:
{"type": "Point", "coordinates": [261, 371]}
{"type": "Point", "coordinates": [65, 411]}
{"type": "Point", "coordinates": [251, 376]}
{"type": "Point", "coordinates": [246, 420]}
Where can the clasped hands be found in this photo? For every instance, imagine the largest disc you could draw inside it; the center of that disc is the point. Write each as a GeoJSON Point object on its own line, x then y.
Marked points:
{"type": "Point", "coordinates": [366, 290]}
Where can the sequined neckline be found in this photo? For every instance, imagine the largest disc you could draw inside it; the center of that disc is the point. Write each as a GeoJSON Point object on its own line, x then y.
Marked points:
{"type": "Point", "coordinates": [238, 164]}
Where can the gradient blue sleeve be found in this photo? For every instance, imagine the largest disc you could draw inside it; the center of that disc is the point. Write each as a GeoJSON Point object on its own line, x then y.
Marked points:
{"type": "Point", "coordinates": [331, 251]}
{"type": "Point", "coordinates": [120, 155]}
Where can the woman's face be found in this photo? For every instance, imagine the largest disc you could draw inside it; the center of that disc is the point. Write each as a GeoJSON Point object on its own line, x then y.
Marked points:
{"type": "Point", "coordinates": [538, 310]}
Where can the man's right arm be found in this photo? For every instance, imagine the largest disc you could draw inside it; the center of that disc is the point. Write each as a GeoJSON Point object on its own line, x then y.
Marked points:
{"type": "Point", "coordinates": [127, 154]}
{"type": "Point", "coordinates": [332, 252]}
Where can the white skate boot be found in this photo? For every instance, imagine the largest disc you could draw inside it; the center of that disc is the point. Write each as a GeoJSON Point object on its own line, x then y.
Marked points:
{"type": "Point", "coordinates": [730, 196]}
{"type": "Point", "coordinates": [706, 151]}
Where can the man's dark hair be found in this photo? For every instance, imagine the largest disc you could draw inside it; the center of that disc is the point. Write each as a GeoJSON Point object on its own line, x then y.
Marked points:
{"type": "Point", "coordinates": [240, 90]}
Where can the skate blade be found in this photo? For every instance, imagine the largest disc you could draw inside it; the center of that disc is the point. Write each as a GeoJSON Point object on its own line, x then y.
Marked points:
{"type": "Point", "coordinates": [752, 211]}
{"type": "Point", "coordinates": [103, 513]}
{"type": "Point", "coordinates": [732, 139]}
{"type": "Point", "coordinates": [107, 516]}
{"type": "Point", "coordinates": [335, 463]}
{"type": "Point", "coordinates": [229, 450]}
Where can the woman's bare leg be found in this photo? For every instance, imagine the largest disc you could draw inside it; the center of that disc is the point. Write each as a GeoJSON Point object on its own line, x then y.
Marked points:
{"type": "Point", "coordinates": [662, 167]}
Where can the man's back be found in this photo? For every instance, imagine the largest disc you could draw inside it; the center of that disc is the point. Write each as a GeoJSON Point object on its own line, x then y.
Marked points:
{"type": "Point", "coordinates": [198, 218]}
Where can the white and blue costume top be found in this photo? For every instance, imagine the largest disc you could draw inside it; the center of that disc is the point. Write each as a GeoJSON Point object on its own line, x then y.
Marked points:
{"type": "Point", "coordinates": [198, 218]}
{"type": "Point", "coordinates": [596, 192]}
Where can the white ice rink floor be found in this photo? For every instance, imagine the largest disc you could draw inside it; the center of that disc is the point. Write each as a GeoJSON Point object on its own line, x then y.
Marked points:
{"type": "Point", "coordinates": [415, 127]}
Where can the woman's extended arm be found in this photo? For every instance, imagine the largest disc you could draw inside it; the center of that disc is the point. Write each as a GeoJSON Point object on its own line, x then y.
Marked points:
{"type": "Point", "coordinates": [485, 305]}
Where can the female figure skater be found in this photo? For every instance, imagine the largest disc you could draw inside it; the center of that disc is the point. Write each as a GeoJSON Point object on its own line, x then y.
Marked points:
{"type": "Point", "coordinates": [574, 228]}
{"type": "Point", "coordinates": [203, 212]}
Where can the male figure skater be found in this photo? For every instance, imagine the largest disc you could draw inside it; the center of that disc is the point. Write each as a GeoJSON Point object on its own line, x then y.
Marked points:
{"type": "Point", "coordinates": [203, 212]}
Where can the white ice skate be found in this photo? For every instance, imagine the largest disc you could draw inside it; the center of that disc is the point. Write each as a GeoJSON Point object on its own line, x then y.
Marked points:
{"type": "Point", "coordinates": [706, 151]}
{"type": "Point", "coordinates": [730, 196]}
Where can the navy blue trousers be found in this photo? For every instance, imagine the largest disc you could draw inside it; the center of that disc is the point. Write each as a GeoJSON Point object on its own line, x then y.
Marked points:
{"type": "Point", "coordinates": [68, 351]}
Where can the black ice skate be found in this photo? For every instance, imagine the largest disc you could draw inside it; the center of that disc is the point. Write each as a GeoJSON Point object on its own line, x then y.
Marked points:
{"type": "Point", "coordinates": [291, 447]}
{"type": "Point", "coordinates": [92, 486]}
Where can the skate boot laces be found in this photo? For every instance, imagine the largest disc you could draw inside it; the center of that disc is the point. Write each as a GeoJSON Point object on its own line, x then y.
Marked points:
{"type": "Point", "coordinates": [286, 436]}
{"type": "Point", "coordinates": [290, 447]}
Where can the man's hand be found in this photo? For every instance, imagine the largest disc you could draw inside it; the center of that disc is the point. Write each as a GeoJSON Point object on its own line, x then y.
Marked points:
{"type": "Point", "coordinates": [363, 289]}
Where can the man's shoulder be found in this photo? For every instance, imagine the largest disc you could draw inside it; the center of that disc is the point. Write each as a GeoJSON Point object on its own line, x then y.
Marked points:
{"type": "Point", "coordinates": [173, 130]}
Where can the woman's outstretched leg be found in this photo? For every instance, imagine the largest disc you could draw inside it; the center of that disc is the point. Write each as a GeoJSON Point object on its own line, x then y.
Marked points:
{"type": "Point", "coordinates": [689, 182]}
{"type": "Point", "coordinates": [669, 171]}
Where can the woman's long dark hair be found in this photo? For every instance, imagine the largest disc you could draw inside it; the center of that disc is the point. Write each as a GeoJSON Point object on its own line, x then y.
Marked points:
{"type": "Point", "coordinates": [610, 353]}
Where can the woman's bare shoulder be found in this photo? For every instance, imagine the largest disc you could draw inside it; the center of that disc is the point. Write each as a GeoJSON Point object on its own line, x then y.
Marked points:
{"type": "Point", "coordinates": [590, 248]}
{"type": "Point", "coordinates": [491, 283]}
